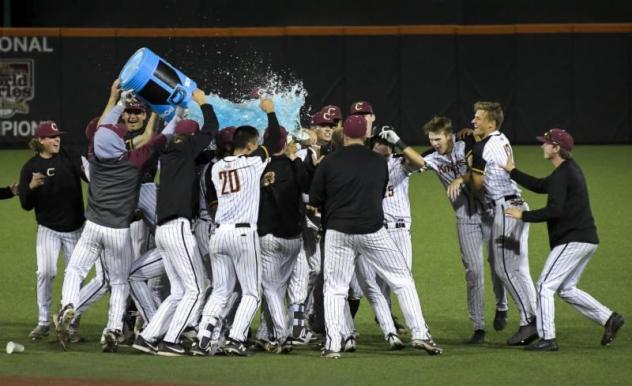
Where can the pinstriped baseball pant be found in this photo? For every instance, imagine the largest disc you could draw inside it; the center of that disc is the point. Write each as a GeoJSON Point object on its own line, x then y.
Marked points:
{"type": "Point", "coordinates": [562, 270]}
{"type": "Point", "coordinates": [48, 244]}
{"type": "Point", "coordinates": [388, 262]}
{"type": "Point", "coordinates": [510, 239]}
{"type": "Point", "coordinates": [183, 265]}
{"type": "Point", "coordinates": [115, 244]}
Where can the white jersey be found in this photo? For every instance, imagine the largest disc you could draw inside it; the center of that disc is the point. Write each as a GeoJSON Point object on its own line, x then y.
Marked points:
{"type": "Point", "coordinates": [237, 181]}
{"type": "Point", "coordinates": [396, 204]}
{"type": "Point", "coordinates": [448, 167]}
{"type": "Point", "coordinates": [495, 150]}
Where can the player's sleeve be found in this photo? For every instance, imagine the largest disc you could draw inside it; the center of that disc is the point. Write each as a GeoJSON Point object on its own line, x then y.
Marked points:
{"type": "Point", "coordinates": [537, 185]}
{"type": "Point", "coordinates": [27, 196]}
{"type": "Point", "coordinates": [430, 159]}
{"type": "Point", "coordinates": [554, 208]}
{"type": "Point", "coordinates": [262, 153]}
{"type": "Point", "coordinates": [317, 192]}
{"type": "Point", "coordinates": [478, 162]}
{"type": "Point", "coordinates": [203, 138]}
{"type": "Point", "coordinates": [112, 117]}
{"type": "Point", "coordinates": [272, 134]}
{"type": "Point", "coordinates": [138, 157]}
{"type": "Point", "coordinates": [397, 171]}
{"type": "Point", "coordinates": [469, 142]}
{"type": "Point", "coordinates": [6, 193]}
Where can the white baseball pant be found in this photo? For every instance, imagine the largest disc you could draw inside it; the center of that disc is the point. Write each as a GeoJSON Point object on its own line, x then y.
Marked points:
{"type": "Point", "coordinates": [149, 266]}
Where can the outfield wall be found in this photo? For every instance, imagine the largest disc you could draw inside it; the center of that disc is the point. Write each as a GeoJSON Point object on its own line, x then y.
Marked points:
{"type": "Point", "coordinates": [575, 76]}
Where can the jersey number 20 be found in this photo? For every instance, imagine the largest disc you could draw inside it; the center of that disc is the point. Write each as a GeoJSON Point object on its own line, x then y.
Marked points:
{"type": "Point", "coordinates": [230, 181]}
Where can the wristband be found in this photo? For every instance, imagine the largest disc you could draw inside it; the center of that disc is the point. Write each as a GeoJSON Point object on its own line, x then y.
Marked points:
{"type": "Point", "coordinates": [401, 144]}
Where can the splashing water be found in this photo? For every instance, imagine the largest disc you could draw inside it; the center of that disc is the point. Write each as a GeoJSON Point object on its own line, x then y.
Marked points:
{"type": "Point", "coordinates": [288, 100]}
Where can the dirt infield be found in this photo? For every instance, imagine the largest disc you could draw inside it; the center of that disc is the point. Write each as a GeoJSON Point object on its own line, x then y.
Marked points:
{"type": "Point", "coordinates": [17, 380]}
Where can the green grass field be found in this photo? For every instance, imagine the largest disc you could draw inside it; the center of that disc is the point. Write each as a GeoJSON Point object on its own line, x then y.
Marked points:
{"type": "Point", "coordinates": [440, 280]}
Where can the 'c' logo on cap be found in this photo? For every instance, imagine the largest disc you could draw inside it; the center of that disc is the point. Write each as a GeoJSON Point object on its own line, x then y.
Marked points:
{"type": "Point", "coordinates": [54, 126]}
{"type": "Point", "coordinates": [358, 106]}
{"type": "Point", "coordinates": [327, 115]}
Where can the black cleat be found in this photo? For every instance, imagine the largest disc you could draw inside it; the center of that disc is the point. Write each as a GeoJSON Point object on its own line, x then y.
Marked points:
{"type": "Point", "coordinates": [543, 345]}
{"type": "Point", "coordinates": [141, 344]}
{"type": "Point", "coordinates": [168, 349]}
{"type": "Point", "coordinates": [500, 320]}
{"type": "Point", "coordinates": [477, 338]}
{"type": "Point", "coordinates": [395, 342]}
{"type": "Point", "coordinates": [614, 323]}
{"type": "Point", "coordinates": [234, 347]}
{"type": "Point", "coordinates": [524, 336]}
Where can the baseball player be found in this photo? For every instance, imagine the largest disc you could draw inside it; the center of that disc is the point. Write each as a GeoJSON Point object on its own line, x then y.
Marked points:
{"type": "Point", "coordinates": [349, 187]}
{"type": "Point", "coordinates": [447, 159]}
{"type": "Point", "coordinates": [572, 237]}
{"type": "Point", "coordinates": [509, 236]}
{"type": "Point", "coordinates": [280, 224]}
{"type": "Point", "coordinates": [235, 245]}
{"type": "Point", "coordinates": [174, 240]}
{"type": "Point", "coordinates": [112, 199]}
{"type": "Point", "coordinates": [50, 184]}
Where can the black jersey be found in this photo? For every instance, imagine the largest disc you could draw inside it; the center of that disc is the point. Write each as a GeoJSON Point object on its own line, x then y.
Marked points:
{"type": "Point", "coordinates": [58, 203]}
{"type": "Point", "coordinates": [349, 186]}
{"type": "Point", "coordinates": [567, 212]}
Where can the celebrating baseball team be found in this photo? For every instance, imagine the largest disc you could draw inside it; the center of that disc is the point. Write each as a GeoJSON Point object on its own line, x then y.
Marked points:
{"type": "Point", "coordinates": [300, 227]}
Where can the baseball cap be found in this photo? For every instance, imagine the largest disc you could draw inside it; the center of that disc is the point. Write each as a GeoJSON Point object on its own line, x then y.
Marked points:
{"type": "Point", "coordinates": [322, 119]}
{"type": "Point", "coordinates": [135, 104]}
{"type": "Point", "coordinates": [47, 129]}
{"type": "Point", "coordinates": [282, 140]}
{"type": "Point", "coordinates": [361, 107]}
{"type": "Point", "coordinates": [186, 127]}
{"type": "Point", "coordinates": [559, 137]}
{"type": "Point", "coordinates": [224, 137]}
{"type": "Point", "coordinates": [332, 111]}
{"type": "Point", "coordinates": [355, 126]}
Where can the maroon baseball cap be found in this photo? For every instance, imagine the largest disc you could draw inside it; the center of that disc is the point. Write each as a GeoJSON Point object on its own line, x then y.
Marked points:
{"type": "Point", "coordinates": [187, 127]}
{"type": "Point", "coordinates": [559, 137]}
{"type": "Point", "coordinates": [361, 107]}
{"type": "Point", "coordinates": [355, 126]}
{"type": "Point", "coordinates": [47, 129]}
{"type": "Point", "coordinates": [135, 104]}
{"type": "Point", "coordinates": [224, 137]}
{"type": "Point", "coordinates": [332, 111]}
{"type": "Point", "coordinates": [322, 119]}
{"type": "Point", "coordinates": [282, 140]}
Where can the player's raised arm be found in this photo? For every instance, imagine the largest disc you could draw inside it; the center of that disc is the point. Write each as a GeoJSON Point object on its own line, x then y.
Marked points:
{"type": "Point", "coordinates": [272, 135]}
{"type": "Point", "coordinates": [116, 104]}
{"type": "Point", "coordinates": [411, 155]}
{"type": "Point", "coordinates": [210, 128]}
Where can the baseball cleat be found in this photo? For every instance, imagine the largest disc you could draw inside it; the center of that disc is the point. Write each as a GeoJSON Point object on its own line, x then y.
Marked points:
{"type": "Point", "coordinates": [477, 338]}
{"type": "Point", "coordinates": [234, 347]}
{"type": "Point", "coordinates": [111, 340]}
{"type": "Point", "coordinates": [349, 345]}
{"type": "Point", "coordinates": [500, 320]}
{"type": "Point", "coordinates": [525, 335]}
{"type": "Point", "coordinates": [428, 345]}
{"type": "Point", "coordinates": [328, 354]}
{"type": "Point", "coordinates": [62, 325]}
{"type": "Point", "coordinates": [614, 323]}
{"type": "Point", "coordinates": [395, 342]}
{"type": "Point", "coordinates": [75, 337]}
{"type": "Point", "coordinates": [168, 349]}
{"type": "Point", "coordinates": [543, 345]}
{"type": "Point", "coordinates": [39, 332]}
{"type": "Point", "coordinates": [141, 344]}
{"type": "Point", "coordinates": [206, 336]}
{"type": "Point", "coordinates": [273, 347]}
{"type": "Point", "coordinates": [196, 351]}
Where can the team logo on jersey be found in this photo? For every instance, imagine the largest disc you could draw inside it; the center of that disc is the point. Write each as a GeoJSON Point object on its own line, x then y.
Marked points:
{"type": "Point", "coordinates": [50, 172]}
{"type": "Point", "coordinates": [17, 86]}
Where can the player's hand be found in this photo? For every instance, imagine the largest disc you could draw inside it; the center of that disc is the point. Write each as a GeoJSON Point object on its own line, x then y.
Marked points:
{"type": "Point", "coordinates": [199, 97]}
{"type": "Point", "coordinates": [14, 189]}
{"type": "Point", "coordinates": [126, 97]}
{"type": "Point", "coordinates": [115, 90]}
{"type": "Point", "coordinates": [268, 179]}
{"type": "Point", "coordinates": [267, 105]}
{"type": "Point", "coordinates": [509, 166]}
{"type": "Point", "coordinates": [514, 213]}
{"type": "Point", "coordinates": [454, 189]}
{"type": "Point", "coordinates": [389, 136]}
{"type": "Point", "coordinates": [37, 180]}
{"type": "Point", "coordinates": [180, 114]}
{"type": "Point", "coordinates": [465, 132]}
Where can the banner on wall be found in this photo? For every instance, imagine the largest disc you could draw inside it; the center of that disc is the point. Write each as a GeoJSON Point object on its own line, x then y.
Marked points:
{"type": "Point", "coordinates": [28, 92]}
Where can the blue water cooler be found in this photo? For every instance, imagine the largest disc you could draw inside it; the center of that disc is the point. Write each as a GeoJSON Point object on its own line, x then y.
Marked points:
{"type": "Point", "coordinates": [157, 82]}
